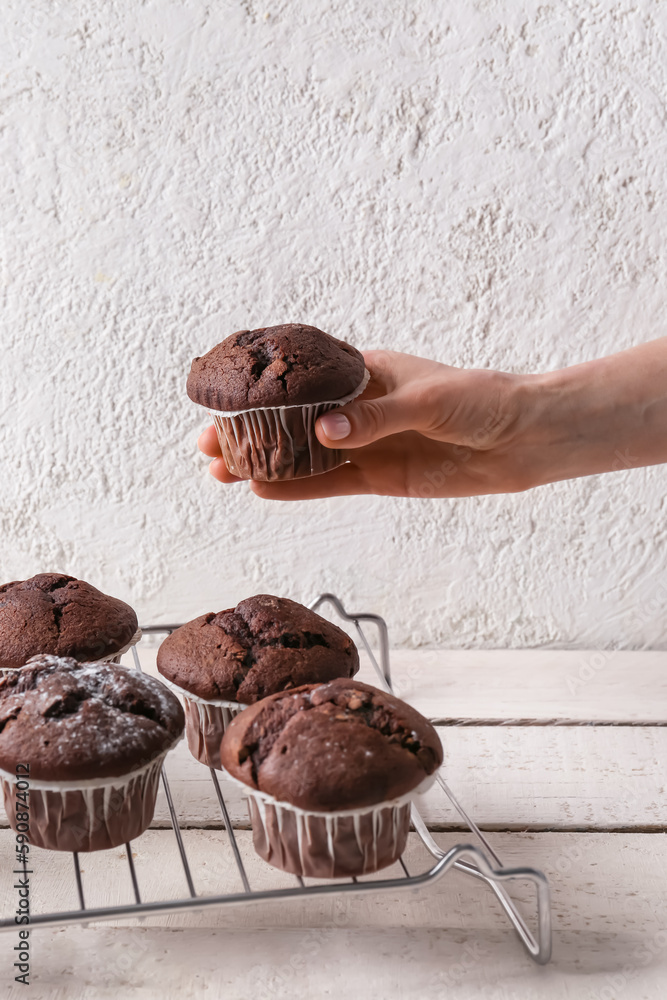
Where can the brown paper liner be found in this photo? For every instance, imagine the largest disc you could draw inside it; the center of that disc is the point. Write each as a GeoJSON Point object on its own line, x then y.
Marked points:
{"type": "Point", "coordinates": [328, 845]}
{"type": "Point", "coordinates": [205, 725]}
{"type": "Point", "coordinates": [278, 443]}
{"type": "Point", "coordinates": [115, 657]}
{"type": "Point", "coordinates": [86, 818]}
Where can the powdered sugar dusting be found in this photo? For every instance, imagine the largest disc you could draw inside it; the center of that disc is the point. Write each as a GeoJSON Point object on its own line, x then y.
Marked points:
{"type": "Point", "coordinates": [82, 719]}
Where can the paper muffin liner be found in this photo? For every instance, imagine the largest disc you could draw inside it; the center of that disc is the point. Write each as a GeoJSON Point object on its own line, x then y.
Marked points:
{"type": "Point", "coordinates": [329, 844]}
{"type": "Point", "coordinates": [92, 815]}
{"type": "Point", "coordinates": [113, 658]}
{"type": "Point", "coordinates": [205, 723]}
{"type": "Point", "coordinates": [278, 442]}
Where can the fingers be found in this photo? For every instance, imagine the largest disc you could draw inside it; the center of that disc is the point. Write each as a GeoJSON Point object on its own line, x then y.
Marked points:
{"type": "Point", "coordinates": [367, 420]}
{"type": "Point", "coordinates": [402, 395]}
{"type": "Point", "coordinates": [339, 482]}
{"type": "Point", "coordinates": [207, 442]}
{"type": "Point", "coordinates": [219, 471]}
{"type": "Point", "coordinates": [385, 369]}
{"type": "Point", "coordinates": [343, 481]}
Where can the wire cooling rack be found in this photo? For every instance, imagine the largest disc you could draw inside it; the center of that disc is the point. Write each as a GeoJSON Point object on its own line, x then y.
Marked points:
{"type": "Point", "coordinates": [475, 857]}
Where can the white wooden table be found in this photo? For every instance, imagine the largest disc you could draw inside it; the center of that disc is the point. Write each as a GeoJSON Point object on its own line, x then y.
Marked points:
{"type": "Point", "coordinates": [587, 805]}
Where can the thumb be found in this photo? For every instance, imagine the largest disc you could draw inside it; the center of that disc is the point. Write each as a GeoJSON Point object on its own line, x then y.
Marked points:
{"type": "Point", "coordinates": [365, 421]}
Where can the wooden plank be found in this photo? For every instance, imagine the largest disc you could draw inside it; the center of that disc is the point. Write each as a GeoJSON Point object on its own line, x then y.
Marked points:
{"type": "Point", "coordinates": [601, 685]}
{"type": "Point", "coordinates": [314, 964]}
{"type": "Point", "coordinates": [507, 778]}
{"type": "Point", "coordinates": [450, 939]}
{"type": "Point", "coordinates": [535, 684]}
{"type": "Point", "coordinates": [515, 778]}
{"type": "Point", "coordinates": [597, 879]}
{"type": "Point", "coordinates": [551, 778]}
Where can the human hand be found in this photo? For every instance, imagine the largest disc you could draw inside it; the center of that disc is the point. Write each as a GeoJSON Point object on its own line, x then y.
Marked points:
{"type": "Point", "coordinates": [425, 429]}
{"type": "Point", "coordinates": [420, 428]}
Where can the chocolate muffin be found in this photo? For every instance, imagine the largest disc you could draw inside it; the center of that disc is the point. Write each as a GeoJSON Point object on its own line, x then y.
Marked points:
{"type": "Point", "coordinates": [54, 613]}
{"type": "Point", "coordinates": [90, 738]}
{"type": "Point", "coordinates": [221, 662]}
{"type": "Point", "coordinates": [331, 768]}
{"type": "Point", "coordinates": [266, 389]}
{"type": "Point", "coordinates": [325, 747]}
{"type": "Point", "coordinates": [283, 365]}
{"type": "Point", "coordinates": [264, 644]}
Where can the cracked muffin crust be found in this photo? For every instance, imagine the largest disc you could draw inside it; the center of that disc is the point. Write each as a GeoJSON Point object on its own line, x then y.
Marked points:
{"type": "Point", "coordinates": [264, 644]}
{"type": "Point", "coordinates": [58, 614]}
{"type": "Point", "coordinates": [75, 721]}
{"type": "Point", "coordinates": [283, 365]}
{"type": "Point", "coordinates": [327, 747]}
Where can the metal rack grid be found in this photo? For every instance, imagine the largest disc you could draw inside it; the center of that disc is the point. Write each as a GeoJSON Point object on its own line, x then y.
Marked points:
{"type": "Point", "coordinates": [476, 858]}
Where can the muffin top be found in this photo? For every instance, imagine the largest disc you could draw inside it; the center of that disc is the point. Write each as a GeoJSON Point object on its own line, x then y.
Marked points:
{"type": "Point", "coordinates": [54, 613]}
{"type": "Point", "coordinates": [325, 747]}
{"type": "Point", "coordinates": [73, 721]}
{"type": "Point", "coordinates": [264, 644]}
{"type": "Point", "coordinates": [275, 366]}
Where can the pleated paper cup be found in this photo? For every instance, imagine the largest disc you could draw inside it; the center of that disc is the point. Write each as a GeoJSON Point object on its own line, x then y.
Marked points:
{"type": "Point", "coordinates": [205, 723]}
{"type": "Point", "coordinates": [278, 442]}
{"type": "Point", "coordinates": [92, 815]}
{"type": "Point", "coordinates": [329, 844]}
{"type": "Point", "coordinates": [113, 658]}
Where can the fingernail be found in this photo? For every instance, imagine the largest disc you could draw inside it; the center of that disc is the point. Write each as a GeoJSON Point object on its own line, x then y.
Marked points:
{"type": "Point", "coordinates": [335, 426]}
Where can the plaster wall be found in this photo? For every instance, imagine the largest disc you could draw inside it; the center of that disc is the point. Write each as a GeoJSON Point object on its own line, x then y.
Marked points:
{"type": "Point", "coordinates": [481, 183]}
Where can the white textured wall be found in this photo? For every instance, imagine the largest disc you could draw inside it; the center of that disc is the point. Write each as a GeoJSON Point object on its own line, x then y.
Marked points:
{"type": "Point", "coordinates": [481, 183]}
